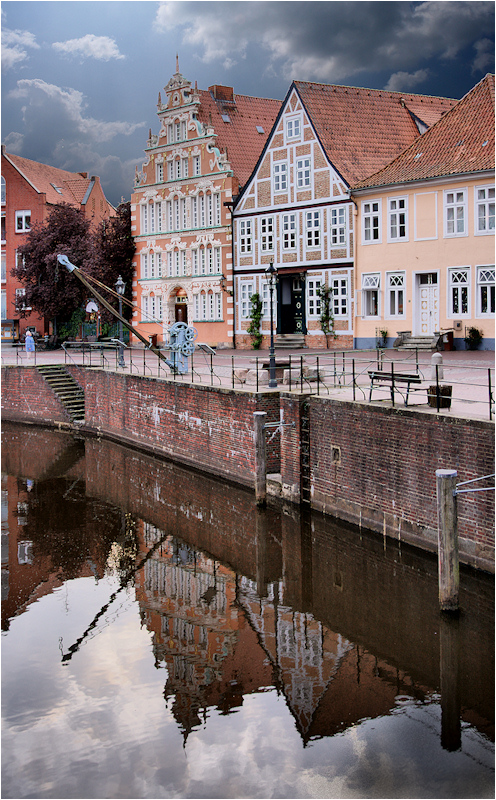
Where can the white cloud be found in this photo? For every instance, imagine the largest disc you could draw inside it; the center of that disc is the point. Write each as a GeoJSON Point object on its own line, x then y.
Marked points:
{"type": "Point", "coordinates": [68, 103]}
{"type": "Point", "coordinates": [401, 81]}
{"type": "Point", "coordinates": [14, 142]}
{"type": "Point", "coordinates": [102, 48]}
{"type": "Point", "coordinates": [14, 44]}
{"type": "Point", "coordinates": [485, 55]}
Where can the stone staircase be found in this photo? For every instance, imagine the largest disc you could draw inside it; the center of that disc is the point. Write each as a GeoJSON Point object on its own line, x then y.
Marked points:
{"type": "Point", "coordinates": [66, 388]}
{"type": "Point", "coordinates": [418, 342]}
{"type": "Point", "coordinates": [289, 341]}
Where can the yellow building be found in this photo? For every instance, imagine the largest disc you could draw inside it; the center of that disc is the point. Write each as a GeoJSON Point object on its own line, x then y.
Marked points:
{"type": "Point", "coordinates": [425, 234]}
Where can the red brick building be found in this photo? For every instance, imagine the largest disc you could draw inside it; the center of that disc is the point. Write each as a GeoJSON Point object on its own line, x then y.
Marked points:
{"type": "Point", "coordinates": [29, 191]}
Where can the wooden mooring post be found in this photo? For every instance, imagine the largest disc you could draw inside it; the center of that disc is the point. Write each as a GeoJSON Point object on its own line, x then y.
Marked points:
{"type": "Point", "coordinates": [447, 521]}
{"type": "Point", "coordinates": [259, 418]}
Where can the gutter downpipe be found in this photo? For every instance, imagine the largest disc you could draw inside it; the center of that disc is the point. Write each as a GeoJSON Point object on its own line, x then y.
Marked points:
{"type": "Point", "coordinates": [230, 205]}
{"type": "Point", "coordinates": [355, 267]}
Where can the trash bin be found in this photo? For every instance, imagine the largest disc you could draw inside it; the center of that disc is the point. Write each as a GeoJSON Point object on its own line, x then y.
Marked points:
{"type": "Point", "coordinates": [448, 340]}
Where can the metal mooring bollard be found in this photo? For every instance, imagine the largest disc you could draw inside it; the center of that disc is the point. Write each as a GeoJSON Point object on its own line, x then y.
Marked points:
{"type": "Point", "coordinates": [437, 359]}
{"type": "Point", "coordinates": [447, 520]}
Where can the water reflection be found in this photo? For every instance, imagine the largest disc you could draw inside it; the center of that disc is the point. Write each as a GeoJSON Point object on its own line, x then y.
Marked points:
{"type": "Point", "coordinates": [340, 626]}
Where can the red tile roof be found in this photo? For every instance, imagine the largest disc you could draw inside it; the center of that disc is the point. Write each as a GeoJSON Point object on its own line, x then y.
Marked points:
{"type": "Point", "coordinates": [72, 185]}
{"type": "Point", "coordinates": [237, 131]}
{"type": "Point", "coordinates": [462, 141]}
{"type": "Point", "coordinates": [362, 130]}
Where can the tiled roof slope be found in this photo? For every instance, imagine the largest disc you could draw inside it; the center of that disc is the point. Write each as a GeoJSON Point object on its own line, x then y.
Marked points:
{"type": "Point", "coordinates": [362, 130]}
{"type": "Point", "coordinates": [462, 141]}
{"type": "Point", "coordinates": [244, 143]}
{"type": "Point", "coordinates": [72, 185]}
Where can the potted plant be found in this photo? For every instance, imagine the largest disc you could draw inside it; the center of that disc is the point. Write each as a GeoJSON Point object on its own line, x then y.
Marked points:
{"type": "Point", "coordinates": [382, 338]}
{"type": "Point", "coordinates": [473, 338]}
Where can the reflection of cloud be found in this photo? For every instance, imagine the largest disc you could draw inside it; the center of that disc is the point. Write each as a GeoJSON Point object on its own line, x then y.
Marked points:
{"type": "Point", "coordinates": [401, 81]}
{"type": "Point", "coordinates": [14, 44]}
{"type": "Point", "coordinates": [102, 48]}
{"type": "Point", "coordinates": [329, 41]}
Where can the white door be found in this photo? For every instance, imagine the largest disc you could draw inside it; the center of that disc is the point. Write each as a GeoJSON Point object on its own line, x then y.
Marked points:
{"type": "Point", "coordinates": [427, 304]}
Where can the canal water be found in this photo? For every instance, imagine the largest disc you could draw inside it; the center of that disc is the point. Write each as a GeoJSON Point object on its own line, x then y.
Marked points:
{"type": "Point", "coordinates": [162, 638]}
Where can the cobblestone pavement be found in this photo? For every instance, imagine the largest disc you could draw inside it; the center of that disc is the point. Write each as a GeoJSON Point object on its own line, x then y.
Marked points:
{"type": "Point", "coordinates": [469, 373]}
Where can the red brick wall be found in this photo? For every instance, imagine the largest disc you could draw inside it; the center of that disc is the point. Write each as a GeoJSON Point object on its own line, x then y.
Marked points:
{"type": "Point", "coordinates": [206, 427]}
{"type": "Point", "coordinates": [26, 396]}
{"type": "Point", "coordinates": [376, 467]}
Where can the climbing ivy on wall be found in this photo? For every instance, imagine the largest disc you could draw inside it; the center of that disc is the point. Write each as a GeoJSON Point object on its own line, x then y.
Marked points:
{"type": "Point", "coordinates": [326, 317]}
{"type": "Point", "coordinates": [256, 308]}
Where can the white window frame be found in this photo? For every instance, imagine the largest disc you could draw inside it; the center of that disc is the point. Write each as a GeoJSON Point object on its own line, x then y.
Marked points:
{"type": "Point", "coordinates": [340, 295]}
{"type": "Point", "coordinates": [371, 221]}
{"type": "Point", "coordinates": [485, 291]}
{"type": "Point", "coordinates": [4, 304]}
{"type": "Point", "coordinates": [3, 275]}
{"type": "Point", "coordinates": [338, 226]}
{"type": "Point", "coordinates": [294, 128]}
{"type": "Point", "coordinates": [22, 217]}
{"type": "Point", "coordinates": [484, 203]}
{"type": "Point", "coordinates": [455, 200]}
{"type": "Point", "coordinates": [313, 298]}
{"type": "Point", "coordinates": [21, 292]}
{"type": "Point", "coordinates": [247, 290]}
{"type": "Point", "coordinates": [196, 166]}
{"type": "Point", "coordinates": [289, 231]}
{"type": "Point", "coordinates": [312, 229]}
{"type": "Point", "coordinates": [159, 172]}
{"type": "Point", "coordinates": [398, 219]}
{"type": "Point", "coordinates": [303, 172]}
{"type": "Point", "coordinates": [245, 237]}
{"type": "Point", "coordinates": [371, 284]}
{"type": "Point", "coordinates": [395, 294]}
{"type": "Point", "coordinates": [267, 229]}
{"type": "Point", "coordinates": [280, 176]}
{"type": "Point", "coordinates": [458, 292]}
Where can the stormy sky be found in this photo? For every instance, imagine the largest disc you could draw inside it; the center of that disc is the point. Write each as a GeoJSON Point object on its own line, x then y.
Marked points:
{"type": "Point", "coordinates": [80, 80]}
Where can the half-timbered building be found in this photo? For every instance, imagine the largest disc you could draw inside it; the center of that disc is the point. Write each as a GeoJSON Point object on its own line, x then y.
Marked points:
{"type": "Point", "coordinates": [296, 210]}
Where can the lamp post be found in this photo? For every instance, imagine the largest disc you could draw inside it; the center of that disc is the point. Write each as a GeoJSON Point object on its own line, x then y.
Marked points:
{"type": "Point", "coordinates": [271, 273]}
{"type": "Point", "coordinates": [120, 287]}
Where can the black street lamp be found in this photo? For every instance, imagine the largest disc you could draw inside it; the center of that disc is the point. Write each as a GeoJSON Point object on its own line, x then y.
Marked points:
{"type": "Point", "coordinates": [120, 287]}
{"type": "Point", "coordinates": [271, 273]}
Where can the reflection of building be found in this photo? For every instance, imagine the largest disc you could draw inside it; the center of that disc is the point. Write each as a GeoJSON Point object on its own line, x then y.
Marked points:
{"type": "Point", "coordinates": [200, 635]}
{"type": "Point", "coordinates": [207, 145]}
{"type": "Point", "coordinates": [29, 191]}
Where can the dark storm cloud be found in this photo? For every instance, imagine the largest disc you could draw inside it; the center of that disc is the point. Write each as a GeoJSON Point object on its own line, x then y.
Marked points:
{"type": "Point", "coordinates": [334, 41]}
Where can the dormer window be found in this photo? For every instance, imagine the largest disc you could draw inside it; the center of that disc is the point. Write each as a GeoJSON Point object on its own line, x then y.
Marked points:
{"type": "Point", "coordinates": [57, 188]}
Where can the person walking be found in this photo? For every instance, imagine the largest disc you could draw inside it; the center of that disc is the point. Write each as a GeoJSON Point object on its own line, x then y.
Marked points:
{"type": "Point", "coordinates": [29, 344]}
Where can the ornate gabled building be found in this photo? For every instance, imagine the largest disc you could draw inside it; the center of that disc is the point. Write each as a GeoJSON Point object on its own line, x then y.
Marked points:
{"type": "Point", "coordinates": [296, 211]}
{"type": "Point", "coordinates": [207, 145]}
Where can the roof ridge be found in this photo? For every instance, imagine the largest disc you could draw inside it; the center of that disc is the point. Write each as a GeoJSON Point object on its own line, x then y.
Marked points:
{"type": "Point", "coordinates": [369, 89]}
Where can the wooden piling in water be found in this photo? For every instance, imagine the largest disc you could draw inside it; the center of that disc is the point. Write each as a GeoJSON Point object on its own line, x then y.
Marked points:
{"type": "Point", "coordinates": [448, 561]}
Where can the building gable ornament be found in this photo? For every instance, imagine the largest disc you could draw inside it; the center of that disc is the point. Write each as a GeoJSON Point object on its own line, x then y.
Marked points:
{"type": "Point", "coordinates": [202, 185]}
{"type": "Point", "coordinates": [176, 151]}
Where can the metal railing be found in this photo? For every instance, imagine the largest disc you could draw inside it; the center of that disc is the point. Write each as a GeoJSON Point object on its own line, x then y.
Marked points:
{"type": "Point", "coordinates": [343, 373]}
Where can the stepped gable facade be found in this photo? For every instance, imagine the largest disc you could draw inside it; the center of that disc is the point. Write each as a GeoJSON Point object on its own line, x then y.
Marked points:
{"type": "Point", "coordinates": [296, 212]}
{"type": "Point", "coordinates": [425, 249]}
{"type": "Point", "coordinates": [207, 145]}
{"type": "Point", "coordinates": [29, 191]}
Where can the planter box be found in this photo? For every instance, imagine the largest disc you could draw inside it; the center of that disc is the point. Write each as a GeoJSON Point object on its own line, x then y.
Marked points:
{"type": "Point", "coordinates": [445, 393]}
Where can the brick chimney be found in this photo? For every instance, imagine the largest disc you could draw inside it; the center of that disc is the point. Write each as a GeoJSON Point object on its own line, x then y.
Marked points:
{"type": "Point", "coordinates": [223, 93]}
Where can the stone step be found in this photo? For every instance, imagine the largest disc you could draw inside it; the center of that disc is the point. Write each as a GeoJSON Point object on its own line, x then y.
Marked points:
{"type": "Point", "coordinates": [66, 388]}
{"type": "Point", "coordinates": [287, 341]}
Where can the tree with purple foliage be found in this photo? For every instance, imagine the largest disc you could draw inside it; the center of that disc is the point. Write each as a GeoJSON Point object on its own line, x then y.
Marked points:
{"type": "Point", "coordinates": [50, 289]}
{"type": "Point", "coordinates": [113, 252]}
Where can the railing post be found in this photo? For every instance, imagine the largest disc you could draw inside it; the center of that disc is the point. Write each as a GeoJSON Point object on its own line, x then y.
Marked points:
{"type": "Point", "coordinates": [232, 371]}
{"type": "Point", "coordinates": [318, 377]}
{"type": "Point", "coordinates": [490, 394]}
{"type": "Point", "coordinates": [259, 418]}
{"type": "Point", "coordinates": [392, 382]}
{"type": "Point", "coordinates": [447, 521]}
{"type": "Point", "coordinates": [256, 370]}
{"type": "Point", "coordinates": [438, 393]}
{"type": "Point", "coordinates": [290, 372]}
{"type": "Point", "coordinates": [354, 390]}
{"type": "Point", "coordinates": [301, 373]}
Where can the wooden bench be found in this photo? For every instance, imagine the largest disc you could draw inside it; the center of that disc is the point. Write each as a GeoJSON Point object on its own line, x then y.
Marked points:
{"type": "Point", "coordinates": [393, 379]}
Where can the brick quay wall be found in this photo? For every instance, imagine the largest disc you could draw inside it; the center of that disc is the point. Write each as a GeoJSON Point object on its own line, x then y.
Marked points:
{"type": "Point", "coordinates": [373, 466]}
